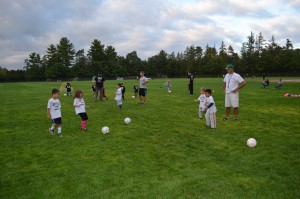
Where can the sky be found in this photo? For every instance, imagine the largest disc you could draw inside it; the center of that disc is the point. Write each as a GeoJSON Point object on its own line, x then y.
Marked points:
{"type": "Point", "coordinates": [144, 26]}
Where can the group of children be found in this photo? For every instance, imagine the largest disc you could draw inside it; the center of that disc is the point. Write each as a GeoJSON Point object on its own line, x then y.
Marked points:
{"type": "Point", "coordinates": [208, 107]}
{"type": "Point", "coordinates": [54, 106]}
{"type": "Point", "coordinates": [54, 111]}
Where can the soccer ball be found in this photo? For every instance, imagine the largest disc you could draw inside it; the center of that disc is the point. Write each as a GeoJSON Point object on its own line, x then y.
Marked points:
{"type": "Point", "coordinates": [133, 97]}
{"type": "Point", "coordinates": [65, 94]}
{"type": "Point", "coordinates": [105, 130]}
{"type": "Point", "coordinates": [170, 91]}
{"type": "Point", "coordinates": [251, 142]}
{"type": "Point", "coordinates": [127, 120]}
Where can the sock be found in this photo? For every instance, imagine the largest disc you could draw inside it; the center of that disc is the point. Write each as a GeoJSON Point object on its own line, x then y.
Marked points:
{"type": "Point", "coordinates": [83, 124]}
{"type": "Point", "coordinates": [59, 130]}
{"type": "Point", "coordinates": [52, 127]}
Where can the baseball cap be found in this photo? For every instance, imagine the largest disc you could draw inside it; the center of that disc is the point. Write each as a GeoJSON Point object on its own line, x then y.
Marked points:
{"type": "Point", "coordinates": [229, 66]}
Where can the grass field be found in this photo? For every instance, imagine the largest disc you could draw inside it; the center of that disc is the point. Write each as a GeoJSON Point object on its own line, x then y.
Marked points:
{"type": "Point", "coordinates": [165, 152]}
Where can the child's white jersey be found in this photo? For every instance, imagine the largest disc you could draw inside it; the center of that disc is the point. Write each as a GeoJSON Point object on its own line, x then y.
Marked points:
{"type": "Point", "coordinates": [202, 99]}
{"type": "Point", "coordinates": [213, 108]}
{"type": "Point", "coordinates": [119, 94]}
{"type": "Point", "coordinates": [81, 105]}
{"type": "Point", "coordinates": [54, 106]}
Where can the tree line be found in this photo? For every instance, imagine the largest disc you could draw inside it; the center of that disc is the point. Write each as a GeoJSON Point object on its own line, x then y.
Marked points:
{"type": "Point", "coordinates": [62, 61]}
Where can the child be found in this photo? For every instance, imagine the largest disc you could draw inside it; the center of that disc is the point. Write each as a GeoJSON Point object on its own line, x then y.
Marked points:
{"type": "Point", "coordinates": [123, 91]}
{"type": "Point", "coordinates": [69, 89]}
{"type": "Point", "coordinates": [135, 90]}
{"type": "Point", "coordinates": [118, 97]}
{"type": "Point", "coordinates": [168, 85]}
{"type": "Point", "coordinates": [103, 94]}
{"type": "Point", "coordinates": [202, 100]}
{"type": "Point", "coordinates": [94, 89]}
{"type": "Point", "coordinates": [80, 109]}
{"type": "Point", "coordinates": [211, 110]}
{"type": "Point", "coordinates": [54, 113]}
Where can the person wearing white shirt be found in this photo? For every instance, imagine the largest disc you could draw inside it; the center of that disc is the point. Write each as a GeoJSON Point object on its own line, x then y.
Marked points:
{"type": "Point", "coordinates": [232, 83]}
{"type": "Point", "coordinates": [118, 97]}
{"type": "Point", "coordinates": [80, 106]}
{"type": "Point", "coordinates": [54, 113]}
{"type": "Point", "coordinates": [211, 109]}
{"type": "Point", "coordinates": [143, 89]}
{"type": "Point", "coordinates": [202, 99]}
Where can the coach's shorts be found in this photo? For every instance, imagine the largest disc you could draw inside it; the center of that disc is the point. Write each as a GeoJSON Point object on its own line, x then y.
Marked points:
{"type": "Point", "coordinates": [143, 92]}
{"type": "Point", "coordinates": [83, 116]}
{"type": "Point", "coordinates": [232, 100]}
{"type": "Point", "coordinates": [57, 120]}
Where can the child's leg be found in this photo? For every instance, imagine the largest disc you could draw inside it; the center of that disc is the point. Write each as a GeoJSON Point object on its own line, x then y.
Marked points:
{"type": "Point", "coordinates": [119, 103]}
{"type": "Point", "coordinates": [200, 113]}
{"type": "Point", "coordinates": [59, 130]}
{"type": "Point", "coordinates": [213, 122]}
{"type": "Point", "coordinates": [207, 119]}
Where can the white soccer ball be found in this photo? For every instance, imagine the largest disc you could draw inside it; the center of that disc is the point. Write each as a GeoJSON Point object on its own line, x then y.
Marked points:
{"type": "Point", "coordinates": [133, 97]}
{"type": "Point", "coordinates": [105, 130]}
{"type": "Point", "coordinates": [65, 94]}
{"type": "Point", "coordinates": [251, 142]}
{"type": "Point", "coordinates": [170, 91]}
{"type": "Point", "coordinates": [127, 120]}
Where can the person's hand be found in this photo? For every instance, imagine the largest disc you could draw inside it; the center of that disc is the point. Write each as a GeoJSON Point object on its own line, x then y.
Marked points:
{"type": "Point", "coordinates": [235, 90]}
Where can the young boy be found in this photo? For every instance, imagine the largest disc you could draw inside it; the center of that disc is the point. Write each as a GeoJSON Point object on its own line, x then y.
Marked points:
{"type": "Point", "coordinates": [69, 89]}
{"type": "Point", "coordinates": [135, 90]}
{"type": "Point", "coordinates": [202, 99]}
{"type": "Point", "coordinates": [118, 97]}
{"type": "Point", "coordinates": [211, 110]}
{"type": "Point", "coordinates": [54, 113]}
{"type": "Point", "coordinates": [168, 85]}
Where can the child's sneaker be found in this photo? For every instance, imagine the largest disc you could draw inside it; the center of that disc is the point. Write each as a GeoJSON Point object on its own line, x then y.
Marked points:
{"type": "Point", "coordinates": [51, 131]}
{"type": "Point", "coordinates": [59, 135]}
{"type": "Point", "coordinates": [83, 129]}
{"type": "Point", "coordinates": [225, 118]}
{"type": "Point", "coordinates": [235, 119]}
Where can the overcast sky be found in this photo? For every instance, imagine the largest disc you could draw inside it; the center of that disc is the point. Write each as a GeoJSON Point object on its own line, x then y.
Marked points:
{"type": "Point", "coordinates": [145, 26]}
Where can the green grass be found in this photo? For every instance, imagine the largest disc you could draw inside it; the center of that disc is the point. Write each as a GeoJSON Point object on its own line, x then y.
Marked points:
{"type": "Point", "coordinates": [166, 152]}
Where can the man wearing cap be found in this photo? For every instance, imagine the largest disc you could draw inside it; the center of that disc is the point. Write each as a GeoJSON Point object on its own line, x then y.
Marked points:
{"type": "Point", "coordinates": [233, 82]}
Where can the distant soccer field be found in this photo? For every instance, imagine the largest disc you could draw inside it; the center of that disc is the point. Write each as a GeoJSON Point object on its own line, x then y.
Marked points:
{"type": "Point", "coordinates": [165, 152]}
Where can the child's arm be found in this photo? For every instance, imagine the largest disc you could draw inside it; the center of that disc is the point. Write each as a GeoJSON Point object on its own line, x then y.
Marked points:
{"type": "Point", "coordinates": [48, 113]}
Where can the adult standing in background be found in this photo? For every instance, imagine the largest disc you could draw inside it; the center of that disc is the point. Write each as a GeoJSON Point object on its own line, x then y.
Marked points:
{"type": "Point", "coordinates": [191, 83]}
{"type": "Point", "coordinates": [233, 82]}
{"type": "Point", "coordinates": [143, 89]}
{"type": "Point", "coordinates": [99, 80]}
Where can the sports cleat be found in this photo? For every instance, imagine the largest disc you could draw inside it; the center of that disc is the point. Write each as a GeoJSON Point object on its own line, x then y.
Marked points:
{"type": "Point", "coordinates": [83, 129]}
{"type": "Point", "coordinates": [59, 135]}
{"type": "Point", "coordinates": [235, 119]}
{"type": "Point", "coordinates": [51, 131]}
{"type": "Point", "coordinates": [225, 118]}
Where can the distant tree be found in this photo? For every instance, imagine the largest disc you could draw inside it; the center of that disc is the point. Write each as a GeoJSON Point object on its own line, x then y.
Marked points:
{"type": "Point", "coordinates": [96, 57]}
{"type": "Point", "coordinates": [80, 66]}
{"type": "Point", "coordinates": [133, 64]}
{"type": "Point", "coordinates": [33, 67]}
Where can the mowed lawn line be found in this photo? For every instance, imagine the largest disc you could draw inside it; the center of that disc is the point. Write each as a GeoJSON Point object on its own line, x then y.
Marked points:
{"type": "Point", "coordinates": [165, 152]}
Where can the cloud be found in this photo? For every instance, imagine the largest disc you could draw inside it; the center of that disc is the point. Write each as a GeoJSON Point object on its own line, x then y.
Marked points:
{"type": "Point", "coordinates": [144, 26]}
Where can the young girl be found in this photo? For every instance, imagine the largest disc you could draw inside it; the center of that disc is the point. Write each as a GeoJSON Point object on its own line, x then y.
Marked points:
{"type": "Point", "coordinates": [80, 109]}
{"type": "Point", "coordinates": [202, 104]}
{"type": "Point", "coordinates": [168, 85]}
{"type": "Point", "coordinates": [118, 97]}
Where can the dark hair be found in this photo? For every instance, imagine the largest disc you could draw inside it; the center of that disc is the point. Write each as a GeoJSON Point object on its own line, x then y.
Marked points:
{"type": "Point", "coordinates": [119, 84]}
{"type": "Point", "coordinates": [77, 93]}
{"type": "Point", "coordinates": [208, 91]}
{"type": "Point", "coordinates": [54, 91]}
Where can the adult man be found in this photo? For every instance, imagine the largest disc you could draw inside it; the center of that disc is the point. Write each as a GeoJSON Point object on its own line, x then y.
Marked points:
{"type": "Point", "coordinates": [233, 82]}
{"type": "Point", "coordinates": [191, 83]}
{"type": "Point", "coordinates": [99, 80]}
{"type": "Point", "coordinates": [143, 90]}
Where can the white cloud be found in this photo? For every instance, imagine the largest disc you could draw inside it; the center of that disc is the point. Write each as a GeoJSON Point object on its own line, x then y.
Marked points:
{"type": "Point", "coordinates": [144, 26]}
